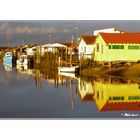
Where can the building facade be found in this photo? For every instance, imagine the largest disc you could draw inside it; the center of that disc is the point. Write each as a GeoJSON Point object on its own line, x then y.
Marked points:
{"type": "Point", "coordinates": [108, 30]}
{"type": "Point", "coordinates": [112, 47]}
{"type": "Point", "coordinates": [86, 47]}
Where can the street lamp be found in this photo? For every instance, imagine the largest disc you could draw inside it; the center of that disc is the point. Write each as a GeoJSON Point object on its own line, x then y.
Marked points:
{"type": "Point", "coordinates": [77, 32]}
{"type": "Point", "coordinates": [50, 38]}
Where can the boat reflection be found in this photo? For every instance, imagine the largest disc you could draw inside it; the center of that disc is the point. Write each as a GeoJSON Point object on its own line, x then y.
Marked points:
{"type": "Point", "coordinates": [111, 94]}
{"type": "Point", "coordinates": [8, 65]}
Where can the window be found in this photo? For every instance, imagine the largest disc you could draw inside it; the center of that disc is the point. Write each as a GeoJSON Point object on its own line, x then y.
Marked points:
{"type": "Point", "coordinates": [135, 47]}
{"type": "Point", "coordinates": [117, 46]}
{"type": "Point", "coordinates": [134, 98]}
{"type": "Point", "coordinates": [97, 47]}
{"type": "Point", "coordinates": [102, 48]}
{"type": "Point", "coordinates": [84, 49]}
{"type": "Point", "coordinates": [116, 98]}
{"type": "Point", "coordinates": [97, 95]}
{"type": "Point", "coordinates": [109, 46]}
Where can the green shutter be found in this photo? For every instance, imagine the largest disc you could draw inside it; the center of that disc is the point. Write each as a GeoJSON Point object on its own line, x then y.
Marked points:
{"type": "Point", "coordinates": [134, 47]}
{"type": "Point", "coordinates": [117, 46]}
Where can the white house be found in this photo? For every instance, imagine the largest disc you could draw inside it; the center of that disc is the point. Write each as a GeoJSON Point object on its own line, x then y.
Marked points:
{"type": "Point", "coordinates": [86, 90]}
{"type": "Point", "coordinates": [86, 46]}
{"type": "Point", "coordinates": [52, 47]}
{"type": "Point", "coordinates": [108, 30]}
{"type": "Point", "coordinates": [31, 50]}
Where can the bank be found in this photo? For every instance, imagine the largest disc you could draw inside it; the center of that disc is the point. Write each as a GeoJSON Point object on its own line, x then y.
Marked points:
{"type": "Point", "coordinates": [131, 72]}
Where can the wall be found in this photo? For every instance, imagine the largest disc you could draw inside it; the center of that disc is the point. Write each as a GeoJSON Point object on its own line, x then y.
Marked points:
{"type": "Point", "coordinates": [109, 55]}
{"type": "Point", "coordinates": [110, 30]}
{"type": "Point", "coordinates": [89, 49]}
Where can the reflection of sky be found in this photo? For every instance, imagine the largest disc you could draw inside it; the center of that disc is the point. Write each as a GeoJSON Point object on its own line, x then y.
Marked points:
{"type": "Point", "coordinates": [21, 98]}
{"type": "Point", "coordinates": [29, 32]}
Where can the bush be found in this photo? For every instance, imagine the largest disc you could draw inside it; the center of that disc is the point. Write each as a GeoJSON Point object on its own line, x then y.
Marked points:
{"type": "Point", "coordinates": [86, 63]}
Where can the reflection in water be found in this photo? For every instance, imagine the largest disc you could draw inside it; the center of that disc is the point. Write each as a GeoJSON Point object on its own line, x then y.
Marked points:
{"type": "Point", "coordinates": [111, 94]}
{"type": "Point", "coordinates": [78, 97]}
{"type": "Point", "coordinates": [117, 95]}
{"type": "Point", "coordinates": [7, 66]}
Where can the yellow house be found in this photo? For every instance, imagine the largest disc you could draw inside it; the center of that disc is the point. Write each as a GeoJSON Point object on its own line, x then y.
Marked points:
{"type": "Point", "coordinates": [116, 96]}
{"type": "Point", "coordinates": [120, 47]}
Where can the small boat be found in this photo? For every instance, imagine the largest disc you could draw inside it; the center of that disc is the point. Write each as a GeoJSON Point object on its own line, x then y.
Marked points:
{"type": "Point", "coordinates": [23, 60]}
{"type": "Point", "coordinates": [68, 69]}
{"type": "Point", "coordinates": [72, 69]}
{"type": "Point", "coordinates": [9, 57]}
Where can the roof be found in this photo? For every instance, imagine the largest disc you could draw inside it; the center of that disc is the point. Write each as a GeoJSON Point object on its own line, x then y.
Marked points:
{"type": "Point", "coordinates": [109, 30]}
{"type": "Point", "coordinates": [88, 97]}
{"type": "Point", "coordinates": [130, 38]}
{"type": "Point", "coordinates": [89, 39]}
{"type": "Point", "coordinates": [134, 106]}
{"type": "Point", "coordinates": [70, 45]}
{"type": "Point", "coordinates": [54, 45]}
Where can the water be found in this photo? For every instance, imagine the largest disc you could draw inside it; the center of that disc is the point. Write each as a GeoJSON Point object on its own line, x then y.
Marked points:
{"type": "Point", "coordinates": [28, 93]}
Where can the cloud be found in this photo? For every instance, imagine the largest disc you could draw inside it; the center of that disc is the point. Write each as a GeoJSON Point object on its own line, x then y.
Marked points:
{"type": "Point", "coordinates": [7, 29]}
{"type": "Point", "coordinates": [66, 30]}
{"type": "Point", "coordinates": [30, 30]}
{"type": "Point", "coordinates": [3, 26]}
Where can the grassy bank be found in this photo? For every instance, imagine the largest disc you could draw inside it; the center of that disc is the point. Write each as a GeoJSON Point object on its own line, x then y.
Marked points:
{"type": "Point", "coordinates": [128, 72]}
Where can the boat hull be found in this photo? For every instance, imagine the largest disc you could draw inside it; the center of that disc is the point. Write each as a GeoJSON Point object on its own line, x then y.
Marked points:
{"type": "Point", "coordinates": [68, 69]}
{"type": "Point", "coordinates": [8, 58]}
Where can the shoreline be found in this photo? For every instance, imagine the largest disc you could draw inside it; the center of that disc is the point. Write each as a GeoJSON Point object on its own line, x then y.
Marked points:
{"type": "Point", "coordinates": [125, 72]}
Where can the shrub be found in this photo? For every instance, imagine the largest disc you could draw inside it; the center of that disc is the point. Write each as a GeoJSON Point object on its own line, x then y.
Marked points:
{"type": "Point", "coordinates": [86, 63]}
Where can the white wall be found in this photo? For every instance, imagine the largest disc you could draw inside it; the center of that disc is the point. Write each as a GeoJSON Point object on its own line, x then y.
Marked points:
{"type": "Point", "coordinates": [86, 52]}
{"type": "Point", "coordinates": [109, 30]}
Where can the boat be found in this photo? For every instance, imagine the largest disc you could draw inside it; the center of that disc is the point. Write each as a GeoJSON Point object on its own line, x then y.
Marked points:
{"type": "Point", "coordinates": [9, 57]}
{"type": "Point", "coordinates": [71, 69]}
{"type": "Point", "coordinates": [23, 60]}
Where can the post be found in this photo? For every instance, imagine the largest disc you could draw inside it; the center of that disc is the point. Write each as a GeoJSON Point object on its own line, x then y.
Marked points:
{"type": "Point", "coordinates": [110, 64]}
{"type": "Point", "coordinates": [38, 52]}
{"type": "Point", "coordinates": [70, 56]}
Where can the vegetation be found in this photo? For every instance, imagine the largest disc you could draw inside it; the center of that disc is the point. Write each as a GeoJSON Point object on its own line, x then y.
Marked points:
{"type": "Point", "coordinates": [48, 65]}
{"type": "Point", "coordinates": [86, 63]}
{"type": "Point", "coordinates": [131, 72]}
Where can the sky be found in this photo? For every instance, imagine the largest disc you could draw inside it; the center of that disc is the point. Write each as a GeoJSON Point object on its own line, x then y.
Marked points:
{"type": "Point", "coordinates": [14, 33]}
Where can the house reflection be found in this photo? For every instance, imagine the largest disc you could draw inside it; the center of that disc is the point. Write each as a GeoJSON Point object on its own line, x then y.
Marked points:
{"type": "Point", "coordinates": [116, 95]}
{"type": "Point", "coordinates": [111, 94]}
{"type": "Point", "coordinates": [24, 71]}
{"type": "Point", "coordinates": [86, 90]}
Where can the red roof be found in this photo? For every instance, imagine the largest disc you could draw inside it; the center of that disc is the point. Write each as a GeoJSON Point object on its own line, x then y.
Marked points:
{"type": "Point", "coordinates": [130, 38]}
{"type": "Point", "coordinates": [88, 97]}
{"type": "Point", "coordinates": [133, 106]}
{"type": "Point", "coordinates": [89, 39]}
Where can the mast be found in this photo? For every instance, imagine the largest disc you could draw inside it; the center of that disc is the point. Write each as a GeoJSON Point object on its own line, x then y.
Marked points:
{"type": "Point", "coordinates": [71, 51]}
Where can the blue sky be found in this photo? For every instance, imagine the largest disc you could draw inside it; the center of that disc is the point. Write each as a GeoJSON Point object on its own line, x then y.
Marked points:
{"type": "Point", "coordinates": [13, 33]}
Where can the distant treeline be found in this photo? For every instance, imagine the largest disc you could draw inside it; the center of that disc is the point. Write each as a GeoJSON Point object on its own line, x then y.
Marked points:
{"type": "Point", "coordinates": [4, 47]}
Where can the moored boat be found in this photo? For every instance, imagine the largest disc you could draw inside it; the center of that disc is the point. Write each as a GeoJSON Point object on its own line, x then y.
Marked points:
{"type": "Point", "coordinates": [72, 69]}
{"type": "Point", "coordinates": [9, 57]}
{"type": "Point", "coordinates": [23, 60]}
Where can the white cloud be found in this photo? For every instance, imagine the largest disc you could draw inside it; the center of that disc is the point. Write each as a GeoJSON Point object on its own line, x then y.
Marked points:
{"type": "Point", "coordinates": [8, 30]}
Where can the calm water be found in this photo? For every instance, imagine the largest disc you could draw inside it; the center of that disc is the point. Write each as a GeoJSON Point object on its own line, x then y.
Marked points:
{"type": "Point", "coordinates": [27, 93]}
